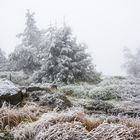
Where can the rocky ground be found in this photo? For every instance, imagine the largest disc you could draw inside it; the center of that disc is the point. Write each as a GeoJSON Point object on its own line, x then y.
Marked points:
{"type": "Point", "coordinates": [107, 111]}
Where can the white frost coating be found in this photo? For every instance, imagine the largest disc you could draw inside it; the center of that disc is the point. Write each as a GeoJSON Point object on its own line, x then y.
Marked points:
{"type": "Point", "coordinates": [41, 85]}
{"type": "Point", "coordinates": [7, 88]}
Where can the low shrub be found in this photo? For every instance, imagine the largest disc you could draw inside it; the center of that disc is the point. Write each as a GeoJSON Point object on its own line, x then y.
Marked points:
{"type": "Point", "coordinates": [97, 105]}
{"type": "Point", "coordinates": [108, 89]}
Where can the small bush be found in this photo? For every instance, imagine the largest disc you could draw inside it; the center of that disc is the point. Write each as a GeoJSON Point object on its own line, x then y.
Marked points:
{"type": "Point", "coordinates": [77, 90]}
{"type": "Point", "coordinates": [18, 77]}
{"type": "Point", "coordinates": [104, 93]}
{"type": "Point", "coordinates": [108, 89]}
{"type": "Point", "coordinates": [97, 105]}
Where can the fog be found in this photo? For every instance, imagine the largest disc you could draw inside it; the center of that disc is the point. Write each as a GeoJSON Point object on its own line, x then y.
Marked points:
{"type": "Point", "coordinates": [105, 26]}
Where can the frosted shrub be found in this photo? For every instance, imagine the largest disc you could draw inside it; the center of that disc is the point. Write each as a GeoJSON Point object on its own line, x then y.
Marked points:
{"type": "Point", "coordinates": [120, 81]}
{"type": "Point", "coordinates": [18, 77]}
{"type": "Point", "coordinates": [75, 90]}
{"type": "Point", "coordinates": [103, 93]}
{"type": "Point", "coordinates": [98, 105]}
{"type": "Point", "coordinates": [126, 88]}
{"type": "Point", "coordinates": [100, 93]}
{"type": "Point", "coordinates": [109, 88]}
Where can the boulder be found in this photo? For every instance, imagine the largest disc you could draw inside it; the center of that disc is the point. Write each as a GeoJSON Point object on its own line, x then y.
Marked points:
{"type": "Point", "coordinates": [36, 88]}
{"type": "Point", "coordinates": [9, 92]}
{"type": "Point", "coordinates": [55, 100]}
{"type": "Point", "coordinates": [52, 100]}
{"type": "Point", "coordinates": [42, 86]}
{"type": "Point", "coordinates": [44, 94]}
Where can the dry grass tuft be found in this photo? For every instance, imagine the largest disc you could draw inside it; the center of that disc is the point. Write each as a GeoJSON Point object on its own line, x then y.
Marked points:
{"type": "Point", "coordinates": [12, 116]}
{"type": "Point", "coordinates": [113, 132]}
{"type": "Point", "coordinates": [131, 123]}
{"type": "Point", "coordinates": [75, 124]}
{"type": "Point", "coordinates": [61, 131]}
{"type": "Point", "coordinates": [54, 125]}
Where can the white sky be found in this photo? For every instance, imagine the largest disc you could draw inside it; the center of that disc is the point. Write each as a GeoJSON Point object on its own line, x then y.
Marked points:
{"type": "Point", "coordinates": [106, 26]}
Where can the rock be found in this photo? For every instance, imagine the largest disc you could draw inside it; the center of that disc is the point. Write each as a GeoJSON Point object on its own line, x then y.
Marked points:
{"type": "Point", "coordinates": [9, 92]}
{"type": "Point", "coordinates": [36, 95]}
{"type": "Point", "coordinates": [38, 87]}
{"type": "Point", "coordinates": [55, 101]}
{"type": "Point", "coordinates": [52, 100]}
{"type": "Point", "coordinates": [2, 135]}
{"type": "Point", "coordinates": [53, 86]}
{"type": "Point", "coordinates": [43, 94]}
{"type": "Point", "coordinates": [35, 88]}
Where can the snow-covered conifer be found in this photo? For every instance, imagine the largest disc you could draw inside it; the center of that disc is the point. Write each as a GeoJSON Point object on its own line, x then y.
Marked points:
{"type": "Point", "coordinates": [24, 59]}
{"type": "Point", "coordinates": [132, 62]}
{"type": "Point", "coordinates": [67, 60]}
{"type": "Point", "coordinates": [2, 60]}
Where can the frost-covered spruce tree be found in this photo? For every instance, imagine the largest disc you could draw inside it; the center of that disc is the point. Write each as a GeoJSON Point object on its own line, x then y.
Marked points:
{"type": "Point", "coordinates": [23, 59]}
{"type": "Point", "coordinates": [31, 37]}
{"type": "Point", "coordinates": [132, 62]}
{"type": "Point", "coordinates": [2, 60]}
{"type": "Point", "coordinates": [67, 60]}
{"type": "Point", "coordinates": [26, 55]}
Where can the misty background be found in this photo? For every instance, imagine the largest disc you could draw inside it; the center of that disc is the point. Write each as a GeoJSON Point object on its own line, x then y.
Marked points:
{"type": "Point", "coordinates": [105, 26]}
